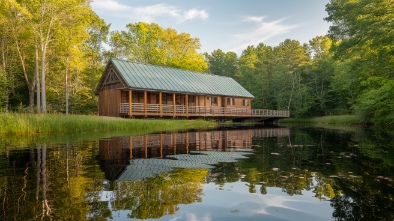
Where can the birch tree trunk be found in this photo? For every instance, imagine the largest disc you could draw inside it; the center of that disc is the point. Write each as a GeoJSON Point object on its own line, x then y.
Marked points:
{"type": "Point", "coordinates": [37, 76]}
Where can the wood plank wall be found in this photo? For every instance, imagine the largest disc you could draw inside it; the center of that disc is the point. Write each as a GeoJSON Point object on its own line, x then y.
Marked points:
{"type": "Point", "coordinates": [109, 102]}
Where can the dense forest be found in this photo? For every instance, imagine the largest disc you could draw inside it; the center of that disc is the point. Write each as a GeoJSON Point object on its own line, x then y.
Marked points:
{"type": "Point", "coordinates": [53, 54]}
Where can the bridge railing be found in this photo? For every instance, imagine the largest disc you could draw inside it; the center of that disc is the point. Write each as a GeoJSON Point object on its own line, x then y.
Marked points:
{"type": "Point", "coordinates": [154, 109]}
{"type": "Point", "coordinates": [270, 113]}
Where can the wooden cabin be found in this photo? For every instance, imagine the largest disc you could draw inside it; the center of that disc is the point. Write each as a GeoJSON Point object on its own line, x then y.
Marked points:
{"type": "Point", "coordinates": [131, 89]}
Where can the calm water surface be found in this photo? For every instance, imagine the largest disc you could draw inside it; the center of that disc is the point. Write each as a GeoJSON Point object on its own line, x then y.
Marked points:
{"type": "Point", "coordinates": [298, 173]}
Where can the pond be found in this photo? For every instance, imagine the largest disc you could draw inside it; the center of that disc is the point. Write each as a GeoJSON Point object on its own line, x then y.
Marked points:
{"type": "Point", "coordinates": [266, 173]}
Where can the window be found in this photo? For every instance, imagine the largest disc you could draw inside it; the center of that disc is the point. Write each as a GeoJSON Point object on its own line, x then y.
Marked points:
{"type": "Point", "coordinates": [245, 102]}
{"type": "Point", "coordinates": [191, 99]}
{"type": "Point", "coordinates": [230, 101]}
{"type": "Point", "coordinates": [214, 100]}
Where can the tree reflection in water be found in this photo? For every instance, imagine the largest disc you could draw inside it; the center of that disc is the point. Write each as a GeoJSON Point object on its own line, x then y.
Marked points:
{"type": "Point", "coordinates": [353, 170]}
{"type": "Point", "coordinates": [161, 195]}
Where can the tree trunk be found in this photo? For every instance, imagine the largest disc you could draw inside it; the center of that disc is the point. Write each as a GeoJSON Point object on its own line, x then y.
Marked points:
{"type": "Point", "coordinates": [291, 93]}
{"type": "Point", "coordinates": [67, 69]}
{"type": "Point", "coordinates": [3, 57]}
{"type": "Point", "coordinates": [43, 88]}
{"type": "Point", "coordinates": [38, 86]}
{"type": "Point", "coordinates": [30, 85]}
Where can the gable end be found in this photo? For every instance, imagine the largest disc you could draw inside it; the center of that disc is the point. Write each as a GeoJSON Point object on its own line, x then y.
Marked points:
{"type": "Point", "coordinates": [111, 79]}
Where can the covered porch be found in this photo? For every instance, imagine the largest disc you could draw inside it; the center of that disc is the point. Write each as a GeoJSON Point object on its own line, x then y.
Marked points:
{"type": "Point", "coordinates": [162, 104]}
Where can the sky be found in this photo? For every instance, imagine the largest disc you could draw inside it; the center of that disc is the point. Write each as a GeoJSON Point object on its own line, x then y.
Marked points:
{"type": "Point", "coordinates": [229, 25]}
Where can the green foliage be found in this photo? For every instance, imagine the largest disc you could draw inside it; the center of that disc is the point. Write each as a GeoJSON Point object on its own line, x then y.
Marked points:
{"type": "Point", "coordinates": [151, 44]}
{"type": "Point", "coordinates": [224, 64]}
{"type": "Point", "coordinates": [70, 33]}
{"type": "Point", "coordinates": [364, 49]}
{"type": "Point", "coordinates": [4, 85]}
{"type": "Point", "coordinates": [376, 103]}
{"type": "Point", "coordinates": [161, 195]}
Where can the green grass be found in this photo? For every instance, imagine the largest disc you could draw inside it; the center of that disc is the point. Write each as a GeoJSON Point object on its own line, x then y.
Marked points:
{"type": "Point", "coordinates": [338, 119]}
{"type": "Point", "coordinates": [26, 124]}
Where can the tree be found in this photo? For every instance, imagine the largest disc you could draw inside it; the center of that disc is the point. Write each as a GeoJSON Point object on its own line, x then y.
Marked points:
{"type": "Point", "coordinates": [257, 68]}
{"type": "Point", "coordinates": [150, 43]}
{"type": "Point", "coordinates": [320, 77]}
{"type": "Point", "coordinates": [221, 63]}
{"type": "Point", "coordinates": [22, 40]}
{"type": "Point", "coordinates": [293, 58]}
{"type": "Point", "coordinates": [364, 40]}
{"type": "Point", "coordinates": [47, 18]}
{"type": "Point", "coordinates": [72, 37]}
{"type": "Point", "coordinates": [7, 47]}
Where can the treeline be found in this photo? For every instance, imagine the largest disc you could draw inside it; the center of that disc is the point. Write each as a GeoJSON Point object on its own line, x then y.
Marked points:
{"type": "Point", "coordinates": [53, 53]}
{"type": "Point", "coordinates": [349, 71]}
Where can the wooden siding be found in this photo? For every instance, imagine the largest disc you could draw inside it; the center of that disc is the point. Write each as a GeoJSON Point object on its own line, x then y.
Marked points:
{"type": "Point", "coordinates": [109, 102]}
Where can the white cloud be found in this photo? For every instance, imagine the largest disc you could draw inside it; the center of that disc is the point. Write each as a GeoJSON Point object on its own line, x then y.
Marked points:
{"type": "Point", "coordinates": [109, 5]}
{"type": "Point", "coordinates": [191, 217]}
{"type": "Point", "coordinates": [149, 13]}
{"type": "Point", "coordinates": [273, 201]}
{"type": "Point", "coordinates": [254, 18]}
{"type": "Point", "coordinates": [260, 31]}
{"type": "Point", "coordinates": [195, 14]}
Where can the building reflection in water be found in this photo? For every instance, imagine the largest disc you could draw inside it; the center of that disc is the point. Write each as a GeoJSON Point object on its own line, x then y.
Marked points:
{"type": "Point", "coordinates": [144, 156]}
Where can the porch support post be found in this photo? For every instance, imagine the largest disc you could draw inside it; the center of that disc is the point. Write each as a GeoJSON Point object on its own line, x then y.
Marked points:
{"type": "Point", "coordinates": [145, 103]}
{"type": "Point", "coordinates": [160, 104]}
{"type": "Point", "coordinates": [130, 103]}
{"type": "Point", "coordinates": [187, 105]}
{"type": "Point", "coordinates": [174, 105]}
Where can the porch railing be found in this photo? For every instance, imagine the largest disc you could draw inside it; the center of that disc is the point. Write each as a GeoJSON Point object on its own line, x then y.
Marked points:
{"type": "Point", "coordinates": [154, 109]}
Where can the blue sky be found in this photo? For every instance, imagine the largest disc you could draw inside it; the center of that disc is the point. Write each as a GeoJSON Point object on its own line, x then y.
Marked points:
{"type": "Point", "coordinates": [230, 25]}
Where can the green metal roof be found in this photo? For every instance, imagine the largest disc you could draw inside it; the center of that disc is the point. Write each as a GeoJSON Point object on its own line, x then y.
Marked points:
{"type": "Point", "coordinates": [158, 78]}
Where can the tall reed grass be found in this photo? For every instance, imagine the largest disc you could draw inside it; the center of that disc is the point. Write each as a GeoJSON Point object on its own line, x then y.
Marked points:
{"type": "Point", "coordinates": [49, 123]}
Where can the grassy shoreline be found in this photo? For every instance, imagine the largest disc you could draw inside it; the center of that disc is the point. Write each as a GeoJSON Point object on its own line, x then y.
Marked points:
{"type": "Point", "coordinates": [337, 119]}
{"type": "Point", "coordinates": [27, 124]}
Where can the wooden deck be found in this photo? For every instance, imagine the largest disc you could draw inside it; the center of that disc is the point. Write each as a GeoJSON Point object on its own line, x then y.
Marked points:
{"type": "Point", "coordinates": [156, 110]}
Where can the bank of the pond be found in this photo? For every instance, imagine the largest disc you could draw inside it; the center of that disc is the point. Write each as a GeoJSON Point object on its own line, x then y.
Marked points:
{"type": "Point", "coordinates": [338, 119]}
{"type": "Point", "coordinates": [50, 123]}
